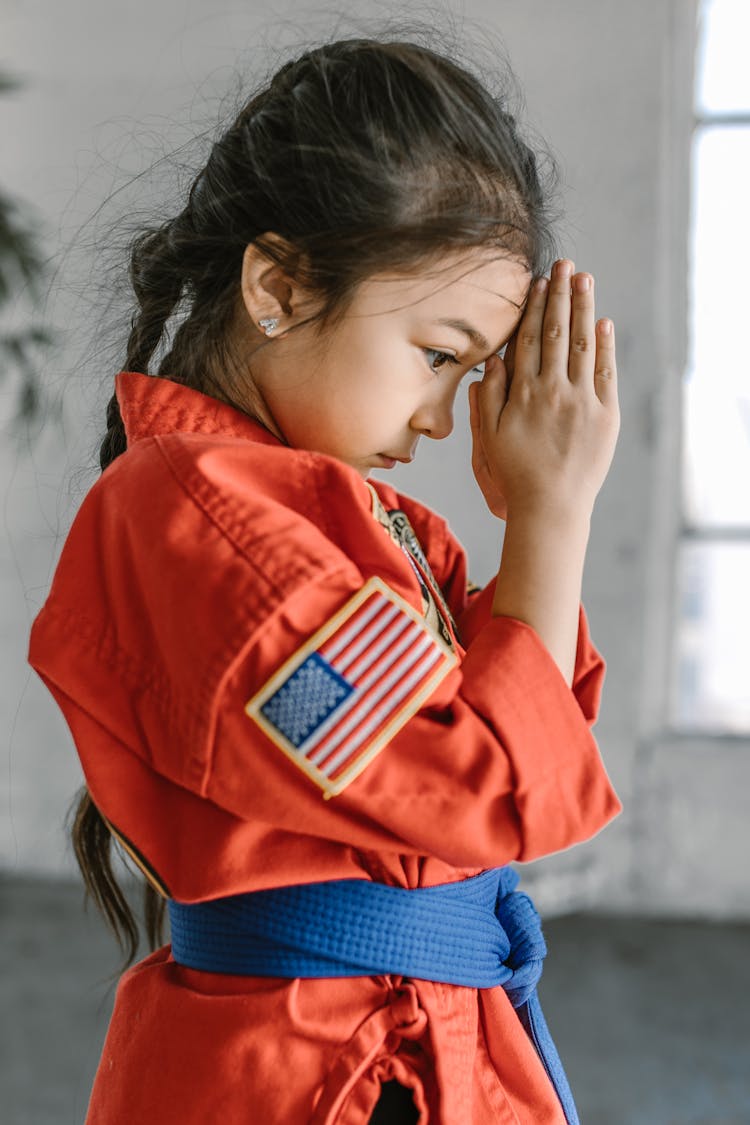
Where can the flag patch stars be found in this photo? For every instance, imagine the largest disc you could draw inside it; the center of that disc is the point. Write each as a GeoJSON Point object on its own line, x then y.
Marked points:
{"type": "Point", "coordinates": [306, 699]}
{"type": "Point", "coordinates": [342, 696]}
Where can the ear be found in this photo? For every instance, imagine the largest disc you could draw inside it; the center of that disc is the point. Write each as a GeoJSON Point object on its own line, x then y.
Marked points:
{"type": "Point", "coordinates": [269, 290]}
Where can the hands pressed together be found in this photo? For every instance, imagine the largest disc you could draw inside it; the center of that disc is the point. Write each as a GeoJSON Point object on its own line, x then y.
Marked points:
{"type": "Point", "coordinates": [545, 419]}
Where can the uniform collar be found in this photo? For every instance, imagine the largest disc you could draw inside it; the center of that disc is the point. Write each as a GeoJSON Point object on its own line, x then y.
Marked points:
{"type": "Point", "coordinates": [150, 405]}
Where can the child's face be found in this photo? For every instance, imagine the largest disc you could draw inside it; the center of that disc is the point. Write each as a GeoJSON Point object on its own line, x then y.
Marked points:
{"type": "Point", "coordinates": [383, 377]}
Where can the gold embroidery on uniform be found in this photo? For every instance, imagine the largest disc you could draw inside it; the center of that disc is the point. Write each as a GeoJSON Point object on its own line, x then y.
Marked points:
{"type": "Point", "coordinates": [434, 607]}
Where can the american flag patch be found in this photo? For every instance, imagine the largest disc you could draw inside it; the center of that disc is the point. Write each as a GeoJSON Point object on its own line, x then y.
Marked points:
{"type": "Point", "coordinates": [342, 696]}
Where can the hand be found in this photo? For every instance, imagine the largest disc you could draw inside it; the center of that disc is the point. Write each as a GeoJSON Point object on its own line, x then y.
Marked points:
{"type": "Point", "coordinates": [545, 420]}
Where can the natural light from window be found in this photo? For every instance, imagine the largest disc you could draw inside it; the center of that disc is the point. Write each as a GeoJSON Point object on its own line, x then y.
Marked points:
{"type": "Point", "coordinates": [711, 686]}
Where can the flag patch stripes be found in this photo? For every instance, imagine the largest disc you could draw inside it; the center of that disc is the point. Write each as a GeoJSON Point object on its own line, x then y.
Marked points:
{"type": "Point", "coordinates": [339, 699]}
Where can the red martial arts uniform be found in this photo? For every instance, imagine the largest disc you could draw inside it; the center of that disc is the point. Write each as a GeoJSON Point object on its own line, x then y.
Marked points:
{"type": "Point", "coordinates": [199, 566]}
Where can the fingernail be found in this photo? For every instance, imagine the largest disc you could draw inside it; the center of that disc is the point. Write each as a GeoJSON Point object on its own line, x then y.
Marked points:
{"type": "Point", "coordinates": [540, 284]}
{"type": "Point", "coordinates": [605, 327]}
{"type": "Point", "coordinates": [582, 283]}
{"type": "Point", "coordinates": [565, 267]}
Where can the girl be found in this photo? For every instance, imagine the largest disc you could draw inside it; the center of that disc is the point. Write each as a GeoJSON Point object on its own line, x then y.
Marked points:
{"type": "Point", "coordinates": [318, 744]}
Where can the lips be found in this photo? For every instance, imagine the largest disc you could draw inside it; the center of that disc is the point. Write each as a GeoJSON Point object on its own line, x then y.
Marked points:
{"type": "Point", "coordinates": [388, 462]}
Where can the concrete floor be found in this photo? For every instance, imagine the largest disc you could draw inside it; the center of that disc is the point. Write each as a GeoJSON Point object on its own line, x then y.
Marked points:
{"type": "Point", "coordinates": [652, 1019]}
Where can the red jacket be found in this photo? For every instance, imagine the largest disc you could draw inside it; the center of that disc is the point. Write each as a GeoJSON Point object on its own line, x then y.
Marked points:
{"type": "Point", "coordinates": [199, 565]}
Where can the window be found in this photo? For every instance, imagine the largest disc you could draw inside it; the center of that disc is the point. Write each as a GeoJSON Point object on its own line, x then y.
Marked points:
{"type": "Point", "coordinates": [711, 686]}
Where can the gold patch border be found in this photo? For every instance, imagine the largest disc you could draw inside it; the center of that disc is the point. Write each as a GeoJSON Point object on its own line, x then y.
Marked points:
{"type": "Point", "coordinates": [252, 707]}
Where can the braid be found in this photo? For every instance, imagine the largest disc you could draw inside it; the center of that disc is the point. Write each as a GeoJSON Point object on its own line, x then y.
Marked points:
{"type": "Point", "coordinates": [92, 844]}
{"type": "Point", "coordinates": [157, 283]}
{"type": "Point", "coordinates": [92, 840]}
{"type": "Point", "coordinates": [114, 442]}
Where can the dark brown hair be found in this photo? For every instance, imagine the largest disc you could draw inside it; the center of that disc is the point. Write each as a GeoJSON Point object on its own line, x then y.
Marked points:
{"type": "Point", "coordinates": [364, 156]}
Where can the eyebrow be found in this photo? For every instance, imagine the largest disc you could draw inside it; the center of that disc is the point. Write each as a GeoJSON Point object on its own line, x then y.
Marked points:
{"type": "Point", "coordinates": [480, 342]}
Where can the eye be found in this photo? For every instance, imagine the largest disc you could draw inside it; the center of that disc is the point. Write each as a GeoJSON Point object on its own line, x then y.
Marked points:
{"type": "Point", "coordinates": [441, 359]}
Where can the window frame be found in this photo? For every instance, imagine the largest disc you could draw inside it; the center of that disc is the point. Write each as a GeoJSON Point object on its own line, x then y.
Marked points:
{"type": "Point", "coordinates": [670, 527]}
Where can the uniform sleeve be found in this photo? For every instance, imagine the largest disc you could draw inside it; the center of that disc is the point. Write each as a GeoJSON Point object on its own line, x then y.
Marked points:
{"type": "Point", "coordinates": [498, 764]}
{"type": "Point", "coordinates": [164, 628]}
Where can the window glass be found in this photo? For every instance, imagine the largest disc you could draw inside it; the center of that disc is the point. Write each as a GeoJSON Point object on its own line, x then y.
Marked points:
{"type": "Point", "coordinates": [716, 464]}
{"type": "Point", "coordinates": [711, 683]}
{"type": "Point", "coordinates": [723, 76]}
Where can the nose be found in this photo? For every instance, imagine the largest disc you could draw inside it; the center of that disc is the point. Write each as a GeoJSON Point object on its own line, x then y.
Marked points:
{"type": "Point", "coordinates": [434, 417]}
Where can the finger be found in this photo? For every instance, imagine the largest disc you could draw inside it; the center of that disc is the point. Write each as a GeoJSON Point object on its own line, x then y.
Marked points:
{"type": "Point", "coordinates": [494, 360]}
{"type": "Point", "coordinates": [582, 334]}
{"type": "Point", "coordinates": [556, 326]}
{"type": "Point", "coordinates": [477, 449]}
{"type": "Point", "coordinates": [474, 411]}
{"type": "Point", "coordinates": [506, 356]}
{"type": "Point", "coordinates": [509, 357]}
{"type": "Point", "coordinates": [527, 339]}
{"type": "Point", "coordinates": [605, 365]}
{"type": "Point", "coordinates": [491, 395]}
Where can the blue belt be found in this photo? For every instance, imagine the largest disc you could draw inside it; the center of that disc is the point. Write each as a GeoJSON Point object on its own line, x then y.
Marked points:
{"type": "Point", "coordinates": [479, 933]}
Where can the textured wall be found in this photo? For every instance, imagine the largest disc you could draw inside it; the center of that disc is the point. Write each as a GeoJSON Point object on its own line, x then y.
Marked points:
{"type": "Point", "coordinates": [608, 84]}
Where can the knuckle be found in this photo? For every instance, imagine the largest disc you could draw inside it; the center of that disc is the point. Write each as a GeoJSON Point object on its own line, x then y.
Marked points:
{"type": "Point", "coordinates": [581, 344]}
{"type": "Point", "coordinates": [604, 372]}
{"type": "Point", "coordinates": [555, 396]}
{"type": "Point", "coordinates": [553, 330]}
{"type": "Point", "coordinates": [527, 339]}
{"type": "Point", "coordinates": [524, 393]}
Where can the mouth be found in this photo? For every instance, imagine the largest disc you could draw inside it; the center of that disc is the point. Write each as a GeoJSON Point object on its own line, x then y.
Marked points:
{"type": "Point", "coordinates": [388, 462]}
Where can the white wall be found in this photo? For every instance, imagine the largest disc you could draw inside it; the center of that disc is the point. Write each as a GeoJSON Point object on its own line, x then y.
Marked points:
{"type": "Point", "coordinates": [609, 85]}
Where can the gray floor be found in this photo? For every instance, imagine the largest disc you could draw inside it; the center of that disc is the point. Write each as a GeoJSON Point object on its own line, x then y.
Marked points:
{"type": "Point", "coordinates": [652, 1019]}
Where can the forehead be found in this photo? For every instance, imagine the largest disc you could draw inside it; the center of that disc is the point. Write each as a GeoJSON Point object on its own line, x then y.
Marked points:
{"type": "Point", "coordinates": [477, 281]}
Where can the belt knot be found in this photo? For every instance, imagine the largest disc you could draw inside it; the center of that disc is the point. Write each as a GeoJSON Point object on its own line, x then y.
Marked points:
{"type": "Point", "coordinates": [523, 926]}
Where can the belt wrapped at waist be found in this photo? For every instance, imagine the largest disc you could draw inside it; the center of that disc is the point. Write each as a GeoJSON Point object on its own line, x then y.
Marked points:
{"type": "Point", "coordinates": [479, 933]}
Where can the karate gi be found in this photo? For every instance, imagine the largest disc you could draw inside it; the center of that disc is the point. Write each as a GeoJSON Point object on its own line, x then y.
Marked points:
{"type": "Point", "coordinates": [198, 568]}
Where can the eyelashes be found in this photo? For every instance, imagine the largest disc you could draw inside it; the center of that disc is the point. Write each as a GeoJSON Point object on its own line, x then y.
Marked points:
{"type": "Point", "coordinates": [447, 358]}
{"type": "Point", "coordinates": [444, 358]}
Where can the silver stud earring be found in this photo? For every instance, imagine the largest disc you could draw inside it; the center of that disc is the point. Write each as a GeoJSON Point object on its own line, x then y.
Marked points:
{"type": "Point", "coordinates": [269, 324]}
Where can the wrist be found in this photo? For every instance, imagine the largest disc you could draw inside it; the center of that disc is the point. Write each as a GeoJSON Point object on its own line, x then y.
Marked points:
{"type": "Point", "coordinates": [540, 576]}
{"type": "Point", "coordinates": [550, 515]}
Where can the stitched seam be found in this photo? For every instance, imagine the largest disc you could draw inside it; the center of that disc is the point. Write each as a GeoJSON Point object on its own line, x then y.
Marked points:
{"type": "Point", "coordinates": [82, 629]}
{"type": "Point", "coordinates": [210, 503]}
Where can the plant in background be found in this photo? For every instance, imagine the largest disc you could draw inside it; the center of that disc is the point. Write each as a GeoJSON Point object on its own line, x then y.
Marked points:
{"type": "Point", "coordinates": [21, 271]}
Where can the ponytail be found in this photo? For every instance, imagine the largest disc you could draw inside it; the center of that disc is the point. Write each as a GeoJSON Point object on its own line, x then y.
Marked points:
{"type": "Point", "coordinates": [114, 442]}
{"type": "Point", "coordinates": [157, 284]}
{"type": "Point", "coordinates": [90, 834]}
{"type": "Point", "coordinates": [92, 845]}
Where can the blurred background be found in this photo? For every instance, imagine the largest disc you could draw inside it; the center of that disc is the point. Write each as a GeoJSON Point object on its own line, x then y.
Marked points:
{"type": "Point", "coordinates": [105, 112]}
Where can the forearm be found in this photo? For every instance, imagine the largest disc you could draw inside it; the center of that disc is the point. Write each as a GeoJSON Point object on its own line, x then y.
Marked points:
{"type": "Point", "coordinates": [540, 579]}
